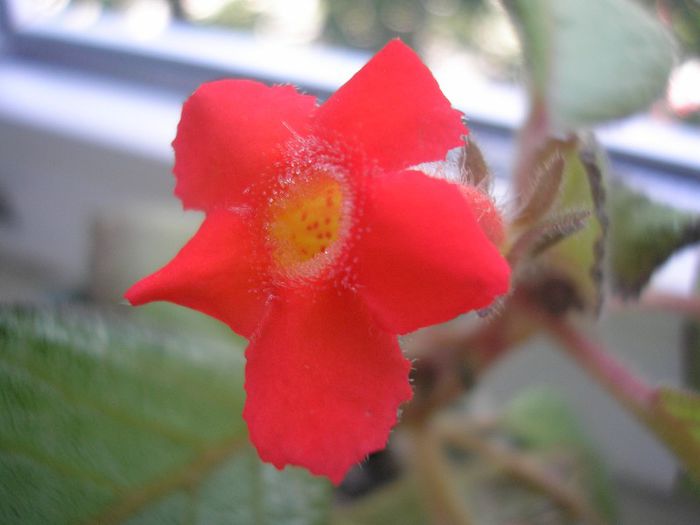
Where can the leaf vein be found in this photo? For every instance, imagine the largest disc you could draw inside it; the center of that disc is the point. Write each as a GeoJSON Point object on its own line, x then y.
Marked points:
{"type": "Point", "coordinates": [65, 469]}
{"type": "Point", "coordinates": [128, 420]}
{"type": "Point", "coordinates": [187, 477]}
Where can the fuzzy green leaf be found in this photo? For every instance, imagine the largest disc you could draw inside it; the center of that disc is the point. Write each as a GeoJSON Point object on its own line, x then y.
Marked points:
{"type": "Point", "coordinates": [592, 61]}
{"type": "Point", "coordinates": [643, 235]}
{"type": "Point", "coordinates": [569, 273]}
{"type": "Point", "coordinates": [101, 422]}
{"type": "Point", "coordinates": [539, 418]}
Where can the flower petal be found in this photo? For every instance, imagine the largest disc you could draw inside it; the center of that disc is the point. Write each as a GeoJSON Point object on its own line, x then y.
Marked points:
{"type": "Point", "coordinates": [394, 108]}
{"type": "Point", "coordinates": [424, 258]}
{"type": "Point", "coordinates": [229, 133]}
{"type": "Point", "coordinates": [324, 383]}
{"type": "Point", "coordinates": [218, 272]}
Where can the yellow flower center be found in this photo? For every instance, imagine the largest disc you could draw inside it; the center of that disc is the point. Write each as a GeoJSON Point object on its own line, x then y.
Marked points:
{"type": "Point", "coordinates": [306, 221]}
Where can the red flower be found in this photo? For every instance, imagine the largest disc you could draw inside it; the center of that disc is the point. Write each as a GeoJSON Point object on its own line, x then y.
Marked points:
{"type": "Point", "coordinates": [320, 245]}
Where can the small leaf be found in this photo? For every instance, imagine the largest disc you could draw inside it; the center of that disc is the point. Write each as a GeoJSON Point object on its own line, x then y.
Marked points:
{"type": "Point", "coordinates": [691, 347]}
{"type": "Point", "coordinates": [592, 61]}
{"type": "Point", "coordinates": [103, 422]}
{"type": "Point", "coordinates": [532, 465]}
{"type": "Point", "coordinates": [643, 235]}
{"type": "Point", "coordinates": [691, 362]}
{"type": "Point", "coordinates": [675, 418]}
{"type": "Point", "coordinates": [692, 354]}
{"type": "Point", "coordinates": [572, 266]}
{"type": "Point", "coordinates": [540, 420]}
{"type": "Point", "coordinates": [580, 256]}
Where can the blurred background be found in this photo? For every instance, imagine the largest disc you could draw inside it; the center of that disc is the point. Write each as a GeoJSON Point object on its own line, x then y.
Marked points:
{"type": "Point", "coordinates": [90, 94]}
{"type": "Point", "coordinates": [468, 33]}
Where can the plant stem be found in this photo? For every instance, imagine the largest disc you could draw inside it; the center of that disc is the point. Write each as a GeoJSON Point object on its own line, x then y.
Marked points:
{"type": "Point", "coordinates": [628, 388]}
{"type": "Point", "coordinates": [520, 467]}
{"type": "Point", "coordinates": [532, 136]}
{"type": "Point", "coordinates": [449, 505]}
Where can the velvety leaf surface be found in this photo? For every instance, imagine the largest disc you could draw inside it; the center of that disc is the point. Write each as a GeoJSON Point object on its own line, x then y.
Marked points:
{"type": "Point", "coordinates": [570, 46]}
{"type": "Point", "coordinates": [101, 422]}
{"type": "Point", "coordinates": [643, 235]}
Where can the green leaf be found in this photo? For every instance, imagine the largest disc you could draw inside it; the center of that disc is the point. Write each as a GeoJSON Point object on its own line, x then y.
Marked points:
{"type": "Point", "coordinates": [569, 272]}
{"type": "Point", "coordinates": [675, 418]}
{"type": "Point", "coordinates": [592, 61]}
{"type": "Point", "coordinates": [691, 346]}
{"type": "Point", "coordinates": [540, 420]}
{"type": "Point", "coordinates": [643, 235]}
{"type": "Point", "coordinates": [691, 360]}
{"type": "Point", "coordinates": [102, 422]}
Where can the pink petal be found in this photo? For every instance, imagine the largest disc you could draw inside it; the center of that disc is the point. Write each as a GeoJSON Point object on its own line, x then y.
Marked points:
{"type": "Point", "coordinates": [424, 258]}
{"type": "Point", "coordinates": [324, 383]}
{"type": "Point", "coordinates": [220, 272]}
{"type": "Point", "coordinates": [230, 133]}
{"type": "Point", "coordinates": [394, 109]}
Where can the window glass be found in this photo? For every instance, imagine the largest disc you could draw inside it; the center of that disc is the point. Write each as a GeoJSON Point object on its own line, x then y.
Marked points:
{"type": "Point", "coordinates": [468, 35]}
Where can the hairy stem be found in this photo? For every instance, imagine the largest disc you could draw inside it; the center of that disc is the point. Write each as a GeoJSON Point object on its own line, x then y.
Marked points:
{"type": "Point", "coordinates": [531, 138]}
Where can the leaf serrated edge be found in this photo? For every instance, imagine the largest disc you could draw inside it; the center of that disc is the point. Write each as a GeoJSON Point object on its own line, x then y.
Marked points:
{"type": "Point", "coordinates": [590, 157]}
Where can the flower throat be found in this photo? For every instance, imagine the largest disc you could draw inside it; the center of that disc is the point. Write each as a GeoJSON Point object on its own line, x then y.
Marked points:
{"type": "Point", "coordinates": [306, 222]}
